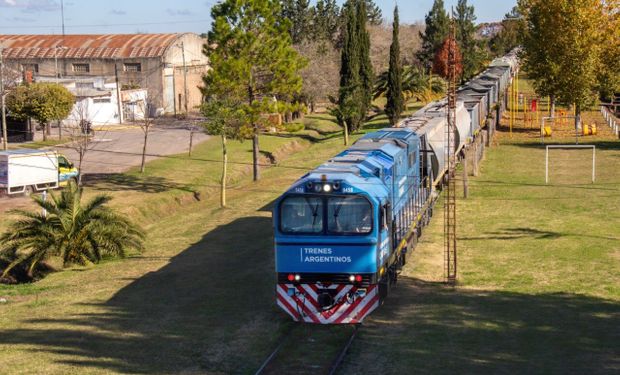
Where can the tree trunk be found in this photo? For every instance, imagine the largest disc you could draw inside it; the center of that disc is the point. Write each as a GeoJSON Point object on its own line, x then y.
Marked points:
{"type": "Point", "coordinates": [465, 177]}
{"type": "Point", "coordinates": [255, 146]}
{"type": "Point", "coordinates": [146, 137]}
{"type": "Point", "coordinates": [255, 154]}
{"type": "Point", "coordinates": [552, 106]}
{"type": "Point", "coordinates": [59, 130]}
{"type": "Point", "coordinates": [81, 153]}
{"type": "Point", "coordinates": [48, 128]}
{"type": "Point", "coordinates": [43, 129]}
{"type": "Point", "coordinates": [346, 134]}
{"type": "Point", "coordinates": [312, 107]}
{"type": "Point", "coordinates": [577, 117]}
{"type": "Point", "coordinates": [191, 141]}
{"type": "Point", "coordinates": [224, 166]}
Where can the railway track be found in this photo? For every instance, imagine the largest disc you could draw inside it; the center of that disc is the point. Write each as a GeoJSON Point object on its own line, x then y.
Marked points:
{"type": "Point", "coordinates": [310, 349]}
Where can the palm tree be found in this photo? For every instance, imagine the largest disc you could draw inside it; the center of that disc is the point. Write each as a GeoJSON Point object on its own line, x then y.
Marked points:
{"type": "Point", "coordinates": [75, 232]}
{"type": "Point", "coordinates": [417, 85]}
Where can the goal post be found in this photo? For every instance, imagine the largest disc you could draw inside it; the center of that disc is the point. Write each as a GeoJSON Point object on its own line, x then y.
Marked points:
{"type": "Point", "coordinates": [569, 147]}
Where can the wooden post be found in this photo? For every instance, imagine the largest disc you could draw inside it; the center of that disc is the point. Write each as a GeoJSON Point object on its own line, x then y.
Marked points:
{"type": "Point", "coordinates": [476, 158]}
{"type": "Point", "coordinates": [465, 177]}
{"type": "Point", "coordinates": [191, 140]}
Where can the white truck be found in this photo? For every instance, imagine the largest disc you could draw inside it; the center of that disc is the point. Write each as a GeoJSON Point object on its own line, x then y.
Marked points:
{"type": "Point", "coordinates": [28, 171]}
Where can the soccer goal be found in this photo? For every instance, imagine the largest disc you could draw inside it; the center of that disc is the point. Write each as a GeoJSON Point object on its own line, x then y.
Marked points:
{"type": "Point", "coordinates": [571, 167]}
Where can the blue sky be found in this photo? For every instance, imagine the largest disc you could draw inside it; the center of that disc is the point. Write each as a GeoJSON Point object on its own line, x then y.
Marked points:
{"type": "Point", "coordinates": [163, 16]}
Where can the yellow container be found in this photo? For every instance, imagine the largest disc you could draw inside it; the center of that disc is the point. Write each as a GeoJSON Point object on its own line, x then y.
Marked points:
{"type": "Point", "coordinates": [593, 129]}
{"type": "Point", "coordinates": [586, 130]}
{"type": "Point", "coordinates": [546, 131]}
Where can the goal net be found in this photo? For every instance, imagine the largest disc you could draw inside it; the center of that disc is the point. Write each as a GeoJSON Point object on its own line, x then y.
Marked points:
{"type": "Point", "coordinates": [570, 164]}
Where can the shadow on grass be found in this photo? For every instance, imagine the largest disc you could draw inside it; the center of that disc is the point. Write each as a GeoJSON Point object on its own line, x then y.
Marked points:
{"type": "Point", "coordinates": [518, 233]}
{"type": "Point", "coordinates": [125, 182]}
{"type": "Point", "coordinates": [211, 309]}
{"type": "Point", "coordinates": [435, 330]}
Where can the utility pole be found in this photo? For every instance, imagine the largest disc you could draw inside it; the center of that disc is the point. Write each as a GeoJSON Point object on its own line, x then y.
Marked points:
{"type": "Point", "coordinates": [118, 94]}
{"type": "Point", "coordinates": [184, 78]}
{"type": "Point", "coordinates": [3, 104]}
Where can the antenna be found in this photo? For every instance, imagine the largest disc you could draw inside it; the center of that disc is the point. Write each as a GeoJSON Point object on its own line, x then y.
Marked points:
{"type": "Point", "coordinates": [62, 16]}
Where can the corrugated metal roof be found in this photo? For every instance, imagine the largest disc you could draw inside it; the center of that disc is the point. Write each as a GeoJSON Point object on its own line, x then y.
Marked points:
{"type": "Point", "coordinates": [106, 46]}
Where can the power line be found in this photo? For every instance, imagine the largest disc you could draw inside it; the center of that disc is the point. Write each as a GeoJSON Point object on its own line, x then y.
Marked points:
{"type": "Point", "coordinates": [107, 24]}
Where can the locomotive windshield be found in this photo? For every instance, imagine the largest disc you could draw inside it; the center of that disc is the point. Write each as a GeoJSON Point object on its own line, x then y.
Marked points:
{"type": "Point", "coordinates": [348, 215]}
{"type": "Point", "coordinates": [302, 215]}
{"type": "Point", "coordinates": [344, 215]}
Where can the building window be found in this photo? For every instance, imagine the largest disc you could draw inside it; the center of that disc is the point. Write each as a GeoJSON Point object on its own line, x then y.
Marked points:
{"type": "Point", "coordinates": [31, 68]}
{"type": "Point", "coordinates": [132, 67]}
{"type": "Point", "coordinates": [84, 85]}
{"type": "Point", "coordinates": [81, 68]}
{"type": "Point", "coordinates": [102, 100]}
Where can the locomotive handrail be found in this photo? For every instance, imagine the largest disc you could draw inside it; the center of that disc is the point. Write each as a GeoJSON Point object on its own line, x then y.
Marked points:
{"type": "Point", "coordinates": [414, 226]}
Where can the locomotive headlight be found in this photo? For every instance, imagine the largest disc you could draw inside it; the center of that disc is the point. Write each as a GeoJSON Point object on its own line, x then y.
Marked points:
{"type": "Point", "coordinates": [297, 277]}
{"type": "Point", "coordinates": [327, 188]}
{"type": "Point", "coordinates": [352, 278]}
{"type": "Point", "coordinates": [318, 188]}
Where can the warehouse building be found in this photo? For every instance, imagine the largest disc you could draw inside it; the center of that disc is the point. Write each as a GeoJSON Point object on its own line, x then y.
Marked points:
{"type": "Point", "coordinates": [169, 66]}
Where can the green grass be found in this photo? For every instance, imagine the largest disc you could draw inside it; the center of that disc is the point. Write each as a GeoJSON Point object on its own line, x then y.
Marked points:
{"type": "Point", "coordinates": [199, 299]}
{"type": "Point", "coordinates": [40, 144]}
{"type": "Point", "coordinates": [539, 275]}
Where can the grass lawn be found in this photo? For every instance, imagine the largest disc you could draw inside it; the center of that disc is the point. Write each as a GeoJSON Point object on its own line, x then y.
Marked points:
{"type": "Point", "coordinates": [199, 299]}
{"type": "Point", "coordinates": [539, 272]}
{"type": "Point", "coordinates": [535, 295]}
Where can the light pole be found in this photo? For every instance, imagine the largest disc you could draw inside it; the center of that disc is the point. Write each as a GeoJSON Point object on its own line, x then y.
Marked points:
{"type": "Point", "coordinates": [2, 102]}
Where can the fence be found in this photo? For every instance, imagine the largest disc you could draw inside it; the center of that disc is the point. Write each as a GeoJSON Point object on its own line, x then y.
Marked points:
{"type": "Point", "coordinates": [611, 120]}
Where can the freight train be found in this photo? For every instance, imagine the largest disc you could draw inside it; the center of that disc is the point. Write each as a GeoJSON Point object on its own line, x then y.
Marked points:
{"type": "Point", "coordinates": [343, 231]}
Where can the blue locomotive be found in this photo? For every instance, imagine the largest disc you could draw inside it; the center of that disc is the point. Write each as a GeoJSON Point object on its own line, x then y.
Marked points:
{"type": "Point", "coordinates": [344, 230]}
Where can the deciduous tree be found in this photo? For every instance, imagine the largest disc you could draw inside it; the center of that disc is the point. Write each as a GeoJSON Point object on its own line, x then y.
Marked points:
{"type": "Point", "coordinates": [440, 64]}
{"type": "Point", "coordinates": [563, 47]}
{"type": "Point", "coordinates": [226, 118]}
{"type": "Point", "coordinates": [43, 102]}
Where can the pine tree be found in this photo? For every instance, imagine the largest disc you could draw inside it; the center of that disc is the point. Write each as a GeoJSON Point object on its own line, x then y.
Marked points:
{"type": "Point", "coordinates": [367, 75]}
{"type": "Point", "coordinates": [350, 98]}
{"type": "Point", "coordinates": [437, 28]}
{"type": "Point", "coordinates": [373, 12]}
{"type": "Point", "coordinates": [251, 57]}
{"type": "Point", "coordinates": [465, 37]}
{"type": "Point", "coordinates": [299, 14]}
{"type": "Point", "coordinates": [394, 106]}
{"type": "Point", "coordinates": [325, 21]}
{"type": "Point", "coordinates": [374, 16]}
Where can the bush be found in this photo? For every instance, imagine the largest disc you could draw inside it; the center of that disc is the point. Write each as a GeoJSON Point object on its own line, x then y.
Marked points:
{"type": "Point", "coordinates": [294, 127]}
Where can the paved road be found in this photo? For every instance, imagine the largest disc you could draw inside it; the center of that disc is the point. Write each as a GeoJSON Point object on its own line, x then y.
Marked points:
{"type": "Point", "coordinates": [115, 150]}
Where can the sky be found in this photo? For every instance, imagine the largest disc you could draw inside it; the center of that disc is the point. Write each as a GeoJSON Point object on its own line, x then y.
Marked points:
{"type": "Point", "coordinates": [165, 16]}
